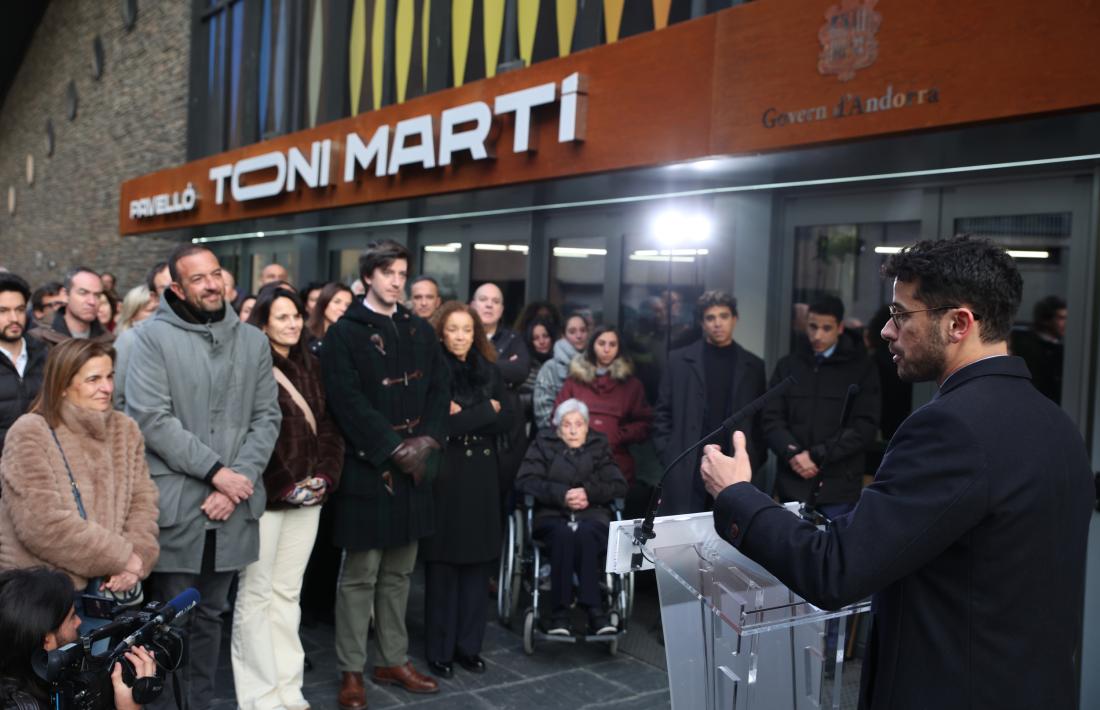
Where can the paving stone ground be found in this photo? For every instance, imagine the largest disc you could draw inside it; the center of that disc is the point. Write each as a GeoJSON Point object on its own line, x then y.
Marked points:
{"type": "Point", "coordinates": [558, 675]}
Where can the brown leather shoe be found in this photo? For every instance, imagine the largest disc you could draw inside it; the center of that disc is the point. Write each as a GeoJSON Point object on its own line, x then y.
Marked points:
{"type": "Point", "coordinates": [405, 676]}
{"type": "Point", "coordinates": [353, 696]}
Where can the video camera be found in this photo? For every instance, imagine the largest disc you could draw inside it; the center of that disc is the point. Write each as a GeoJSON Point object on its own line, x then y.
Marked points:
{"type": "Point", "coordinates": [80, 679]}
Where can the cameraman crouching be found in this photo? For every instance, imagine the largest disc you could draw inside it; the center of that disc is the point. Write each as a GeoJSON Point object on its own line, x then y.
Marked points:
{"type": "Point", "coordinates": [37, 613]}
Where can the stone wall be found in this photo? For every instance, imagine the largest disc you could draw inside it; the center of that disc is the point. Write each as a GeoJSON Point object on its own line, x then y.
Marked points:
{"type": "Point", "coordinates": [131, 121]}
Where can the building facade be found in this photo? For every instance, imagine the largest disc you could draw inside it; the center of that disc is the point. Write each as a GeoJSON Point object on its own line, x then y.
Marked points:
{"type": "Point", "coordinates": [613, 157]}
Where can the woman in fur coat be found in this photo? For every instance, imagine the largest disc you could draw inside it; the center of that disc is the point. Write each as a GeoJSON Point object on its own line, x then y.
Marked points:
{"type": "Point", "coordinates": [603, 378]}
{"type": "Point", "coordinates": [77, 492]}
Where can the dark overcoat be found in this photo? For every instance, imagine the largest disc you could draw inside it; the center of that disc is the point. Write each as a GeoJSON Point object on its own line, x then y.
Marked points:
{"type": "Point", "coordinates": [678, 420]}
{"type": "Point", "coordinates": [971, 540]}
{"type": "Point", "coordinates": [467, 500]}
{"type": "Point", "coordinates": [807, 418]}
{"type": "Point", "coordinates": [16, 392]}
{"type": "Point", "coordinates": [551, 468]}
{"type": "Point", "coordinates": [364, 363]}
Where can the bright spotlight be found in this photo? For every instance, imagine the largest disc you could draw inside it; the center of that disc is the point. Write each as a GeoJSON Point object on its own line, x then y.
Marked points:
{"type": "Point", "coordinates": [673, 227]}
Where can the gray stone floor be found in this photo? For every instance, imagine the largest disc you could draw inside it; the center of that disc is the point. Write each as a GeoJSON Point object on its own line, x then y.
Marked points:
{"type": "Point", "coordinates": [558, 675]}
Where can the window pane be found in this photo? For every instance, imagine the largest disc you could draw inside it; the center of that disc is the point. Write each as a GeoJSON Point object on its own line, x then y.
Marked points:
{"type": "Point", "coordinates": [844, 260]}
{"type": "Point", "coordinates": [659, 290]}
{"type": "Point", "coordinates": [344, 265]}
{"type": "Point", "coordinates": [259, 261]}
{"type": "Point", "coordinates": [1040, 245]}
{"type": "Point", "coordinates": [443, 262]}
{"type": "Point", "coordinates": [577, 273]}
{"type": "Point", "coordinates": [505, 264]}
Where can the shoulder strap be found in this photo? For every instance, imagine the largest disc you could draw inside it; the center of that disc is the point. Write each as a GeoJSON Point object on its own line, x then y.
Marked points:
{"type": "Point", "coordinates": [72, 481]}
{"type": "Point", "coordinates": [295, 395]}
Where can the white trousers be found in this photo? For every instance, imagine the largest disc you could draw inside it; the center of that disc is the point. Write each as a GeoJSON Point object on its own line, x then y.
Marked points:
{"type": "Point", "coordinates": [267, 653]}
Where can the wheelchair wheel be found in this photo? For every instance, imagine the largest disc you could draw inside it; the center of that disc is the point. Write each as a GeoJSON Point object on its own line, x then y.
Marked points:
{"type": "Point", "coordinates": [515, 582]}
{"type": "Point", "coordinates": [529, 632]}
{"type": "Point", "coordinates": [504, 579]}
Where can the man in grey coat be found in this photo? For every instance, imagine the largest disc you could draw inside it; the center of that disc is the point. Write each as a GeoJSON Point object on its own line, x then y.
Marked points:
{"type": "Point", "coordinates": [200, 386]}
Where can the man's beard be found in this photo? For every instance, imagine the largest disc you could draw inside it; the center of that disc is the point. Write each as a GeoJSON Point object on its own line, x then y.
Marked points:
{"type": "Point", "coordinates": [200, 305]}
{"type": "Point", "coordinates": [8, 338]}
{"type": "Point", "coordinates": [927, 361]}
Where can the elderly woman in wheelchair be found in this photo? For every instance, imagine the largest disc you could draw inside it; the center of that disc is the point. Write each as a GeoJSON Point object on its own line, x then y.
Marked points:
{"type": "Point", "coordinates": [573, 479]}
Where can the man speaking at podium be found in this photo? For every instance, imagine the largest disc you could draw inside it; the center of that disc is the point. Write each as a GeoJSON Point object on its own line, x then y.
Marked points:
{"type": "Point", "coordinates": [972, 538]}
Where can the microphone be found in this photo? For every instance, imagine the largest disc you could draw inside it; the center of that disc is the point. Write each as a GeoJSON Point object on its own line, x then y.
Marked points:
{"type": "Point", "coordinates": [169, 610]}
{"type": "Point", "coordinates": [644, 532]}
{"type": "Point", "coordinates": [809, 510]}
{"type": "Point", "coordinates": [180, 604]}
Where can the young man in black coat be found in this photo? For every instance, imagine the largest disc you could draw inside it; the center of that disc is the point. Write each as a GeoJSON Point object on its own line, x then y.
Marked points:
{"type": "Point", "coordinates": [803, 426]}
{"type": "Point", "coordinates": [22, 369]}
{"type": "Point", "coordinates": [724, 377]}
{"type": "Point", "coordinates": [388, 390]}
{"type": "Point", "coordinates": [978, 513]}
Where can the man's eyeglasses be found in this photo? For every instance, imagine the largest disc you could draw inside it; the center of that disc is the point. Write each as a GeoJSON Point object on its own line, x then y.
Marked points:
{"type": "Point", "coordinates": [899, 316]}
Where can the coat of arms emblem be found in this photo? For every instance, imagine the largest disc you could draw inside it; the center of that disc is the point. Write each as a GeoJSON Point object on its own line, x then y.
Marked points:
{"type": "Point", "coordinates": [848, 38]}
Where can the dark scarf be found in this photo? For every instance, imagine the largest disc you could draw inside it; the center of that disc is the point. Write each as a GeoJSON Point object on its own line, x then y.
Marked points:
{"type": "Point", "coordinates": [471, 381]}
{"type": "Point", "coordinates": [189, 313]}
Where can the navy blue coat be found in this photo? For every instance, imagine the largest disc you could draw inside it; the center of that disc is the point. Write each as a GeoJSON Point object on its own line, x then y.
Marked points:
{"type": "Point", "coordinates": [971, 540]}
{"type": "Point", "coordinates": [678, 421]}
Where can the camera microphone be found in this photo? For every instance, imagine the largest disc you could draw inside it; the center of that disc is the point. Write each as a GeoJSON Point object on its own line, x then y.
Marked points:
{"type": "Point", "coordinates": [180, 604]}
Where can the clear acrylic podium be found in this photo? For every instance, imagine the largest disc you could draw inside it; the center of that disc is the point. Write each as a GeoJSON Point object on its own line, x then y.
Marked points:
{"type": "Point", "coordinates": [735, 636]}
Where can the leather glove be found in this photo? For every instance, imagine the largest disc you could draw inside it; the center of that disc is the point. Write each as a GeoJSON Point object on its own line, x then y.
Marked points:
{"type": "Point", "coordinates": [411, 456]}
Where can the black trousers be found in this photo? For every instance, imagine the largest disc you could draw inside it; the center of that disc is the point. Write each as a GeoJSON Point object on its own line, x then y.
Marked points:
{"type": "Point", "coordinates": [574, 552]}
{"type": "Point", "coordinates": [456, 601]}
{"type": "Point", "coordinates": [203, 628]}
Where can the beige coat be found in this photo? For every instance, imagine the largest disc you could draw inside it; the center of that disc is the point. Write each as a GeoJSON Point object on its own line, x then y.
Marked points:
{"type": "Point", "coordinates": [39, 520]}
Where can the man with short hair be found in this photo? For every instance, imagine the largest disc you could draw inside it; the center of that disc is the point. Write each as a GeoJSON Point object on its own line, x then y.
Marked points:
{"type": "Point", "coordinates": [720, 374]}
{"type": "Point", "coordinates": [1042, 346]}
{"type": "Point", "coordinates": [273, 273]}
{"type": "Point", "coordinates": [230, 286]}
{"type": "Point", "coordinates": [818, 460]}
{"type": "Point", "coordinates": [45, 301]}
{"type": "Point", "coordinates": [158, 279]}
{"type": "Point", "coordinates": [388, 389]}
{"type": "Point", "coordinates": [22, 368]}
{"type": "Point", "coordinates": [982, 491]}
{"type": "Point", "coordinates": [200, 386]}
{"type": "Point", "coordinates": [79, 317]}
{"type": "Point", "coordinates": [425, 299]}
{"type": "Point", "coordinates": [514, 363]}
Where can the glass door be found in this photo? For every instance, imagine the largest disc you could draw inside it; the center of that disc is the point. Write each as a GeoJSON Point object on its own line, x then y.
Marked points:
{"type": "Point", "coordinates": [1044, 224]}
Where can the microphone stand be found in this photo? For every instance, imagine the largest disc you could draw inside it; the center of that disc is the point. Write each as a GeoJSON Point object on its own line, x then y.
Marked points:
{"type": "Point", "coordinates": [643, 532]}
{"type": "Point", "coordinates": [809, 510]}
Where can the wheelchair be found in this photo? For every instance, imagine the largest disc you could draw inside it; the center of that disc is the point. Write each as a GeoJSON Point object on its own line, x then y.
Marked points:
{"type": "Point", "coordinates": [521, 584]}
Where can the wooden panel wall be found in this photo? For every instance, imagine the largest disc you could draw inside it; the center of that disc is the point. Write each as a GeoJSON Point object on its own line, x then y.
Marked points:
{"type": "Point", "coordinates": [743, 80]}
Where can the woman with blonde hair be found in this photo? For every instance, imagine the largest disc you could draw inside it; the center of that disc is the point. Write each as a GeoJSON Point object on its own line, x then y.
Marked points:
{"type": "Point", "coordinates": [138, 304]}
{"type": "Point", "coordinates": [77, 492]}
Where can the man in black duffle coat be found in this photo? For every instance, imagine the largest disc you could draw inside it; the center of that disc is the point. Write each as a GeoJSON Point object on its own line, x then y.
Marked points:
{"type": "Point", "coordinates": [803, 425]}
{"type": "Point", "coordinates": [972, 538]}
{"type": "Point", "coordinates": [703, 383]}
{"type": "Point", "coordinates": [388, 390]}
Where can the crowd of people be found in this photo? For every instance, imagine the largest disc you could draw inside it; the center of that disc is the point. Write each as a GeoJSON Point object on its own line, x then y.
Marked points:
{"type": "Point", "coordinates": [190, 434]}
